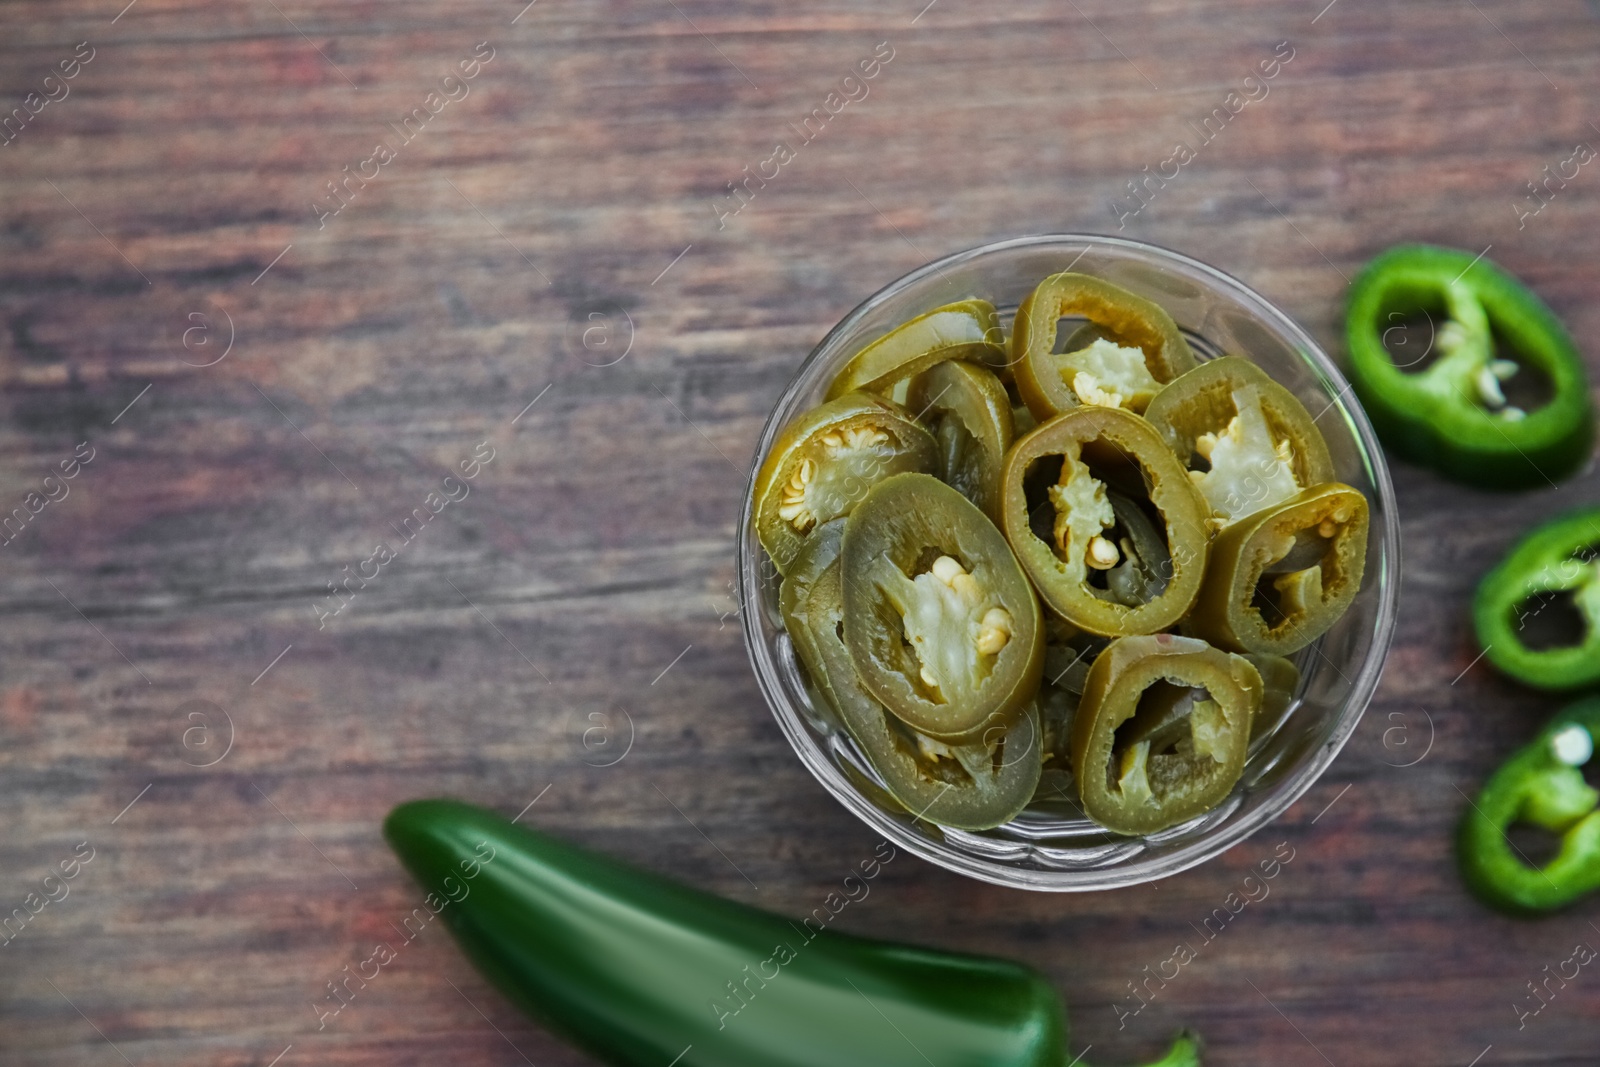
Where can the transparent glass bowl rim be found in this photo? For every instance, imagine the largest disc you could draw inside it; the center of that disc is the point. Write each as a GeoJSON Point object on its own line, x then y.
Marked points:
{"type": "Point", "coordinates": [1143, 868]}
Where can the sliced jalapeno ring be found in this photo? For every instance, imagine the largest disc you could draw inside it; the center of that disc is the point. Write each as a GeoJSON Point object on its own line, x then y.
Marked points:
{"type": "Point", "coordinates": [1454, 405]}
{"type": "Point", "coordinates": [1538, 611]}
{"type": "Point", "coordinates": [1162, 731]}
{"type": "Point", "coordinates": [816, 555]}
{"type": "Point", "coordinates": [968, 329]}
{"type": "Point", "coordinates": [974, 786]}
{"type": "Point", "coordinates": [1280, 578]}
{"type": "Point", "coordinates": [1085, 558]}
{"type": "Point", "coordinates": [1248, 442]}
{"type": "Point", "coordinates": [942, 625]}
{"type": "Point", "coordinates": [1133, 349]}
{"type": "Point", "coordinates": [1543, 785]}
{"type": "Point", "coordinates": [965, 407]}
{"type": "Point", "coordinates": [823, 464]}
{"type": "Point", "coordinates": [1280, 679]}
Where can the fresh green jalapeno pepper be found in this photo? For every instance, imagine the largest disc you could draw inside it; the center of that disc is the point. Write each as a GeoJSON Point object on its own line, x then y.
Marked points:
{"type": "Point", "coordinates": [974, 786]}
{"type": "Point", "coordinates": [1248, 442]}
{"type": "Point", "coordinates": [969, 329]}
{"type": "Point", "coordinates": [1280, 578]}
{"type": "Point", "coordinates": [644, 972]}
{"type": "Point", "coordinates": [1106, 521]}
{"type": "Point", "coordinates": [1540, 784]}
{"type": "Point", "coordinates": [1538, 612]}
{"type": "Point", "coordinates": [1490, 333]}
{"type": "Point", "coordinates": [826, 461]}
{"type": "Point", "coordinates": [966, 408]}
{"type": "Point", "coordinates": [1134, 349]}
{"type": "Point", "coordinates": [941, 623]}
{"type": "Point", "coordinates": [1162, 731]}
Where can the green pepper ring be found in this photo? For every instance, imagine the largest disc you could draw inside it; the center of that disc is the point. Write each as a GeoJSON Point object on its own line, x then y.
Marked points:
{"type": "Point", "coordinates": [995, 795]}
{"type": "Point", "coordinates": [1124, 317]}
{"type": "Point", "coordinates": [1112, 696]}
{"type": "Point", "coordinates": [898, 521]}
{"type": "Point", "coordinates": [1490, 865]}
{"type": "Point", "coordinates": [968, 329]}
{"type": "Point", "coordinates": [913, 449]}
{"type": "Point", "coordinates": [1224, 612]}
{"type": "Point", "coordinates": [1181, 506]}
{"type": "Point", "coordinates": [1447, 433]}
{"type": "Point", "coordinates": [1528, 569]}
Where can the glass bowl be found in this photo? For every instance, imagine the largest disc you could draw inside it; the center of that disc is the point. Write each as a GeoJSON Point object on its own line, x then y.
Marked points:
{"type": "Point", "coordinates": [1051, 847]}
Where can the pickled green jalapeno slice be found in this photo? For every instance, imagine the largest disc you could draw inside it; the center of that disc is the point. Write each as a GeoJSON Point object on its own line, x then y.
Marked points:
{"type": "Point", "coordinates": [941, 623]}
{"type": "Point", "coordinates": [1131, 351]}
{"type": "Point", "coordinates": [794, 604]}
{"type": "Point", "coordinates": [1105, 521]}
{"type": "Point", "coordinates": [1162, 731]}
{"type": "Point", "coordinates": [1281, 578]}
{"type": "Point", "coordinates": [825, 462]}
{"type": "Point", "coordinates": [1280, 679]}
{"type": "Point", "coordinates": [976, 785]}
{"type": "Point", "coordinates": [968, 329]}
{"type": "Point", "coordinates": [1248, 442]}
{"type": "Point", "coordinates": [966, 408]}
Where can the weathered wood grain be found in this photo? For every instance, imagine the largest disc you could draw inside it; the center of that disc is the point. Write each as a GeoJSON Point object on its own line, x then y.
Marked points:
{"type": "Point", "coordinates": [579, 177]}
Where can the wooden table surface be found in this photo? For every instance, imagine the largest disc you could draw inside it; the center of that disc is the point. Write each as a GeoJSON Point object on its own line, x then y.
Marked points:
{"type": "Point", "coordinates": [546, 269]}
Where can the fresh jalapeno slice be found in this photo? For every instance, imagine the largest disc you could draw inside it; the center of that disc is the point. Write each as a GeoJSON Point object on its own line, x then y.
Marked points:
{"type": "Point", "coordinates": [826, 461]}
{"type": "Point", "coordinates": [1248, 442]}
{"type": "Point", "coordinates": [1538, 612]}
{"type": "Point", "coordinates": [1105, 521]}
{"type": "Point", "coordinates": [941, 623]}
{"type": "Point", "coordinates": [968, 329]}
{"type": "Point", "coordinates": [1161, 733]}
{"type": "Point", "coordinates": [973, 786]}
{"type": "Point", "coordinates": [1542, 784]}
{"type": "Point", "coordinates": [1494, 394]}
{"type": "Point", "coordinates": [1280, 578]}
{"type": "Point", "coordinates": [1133, 349]}
{"type": "Point", "coordinates": [966, 408]}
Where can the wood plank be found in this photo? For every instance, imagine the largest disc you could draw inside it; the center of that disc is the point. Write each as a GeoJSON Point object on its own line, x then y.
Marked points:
{"type": "Point", "coordinates": [372, 354]}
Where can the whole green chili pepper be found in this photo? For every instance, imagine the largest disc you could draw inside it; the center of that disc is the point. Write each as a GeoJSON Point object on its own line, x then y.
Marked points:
{"type": "Point", "coordinates": [645, 973]}
{"type": "Point", "coordinates": [1453, 414]}
{"type": "Point", "coordinates": [1559, 561]}
{"type": "Point", "coordinates": [1540, 784]}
